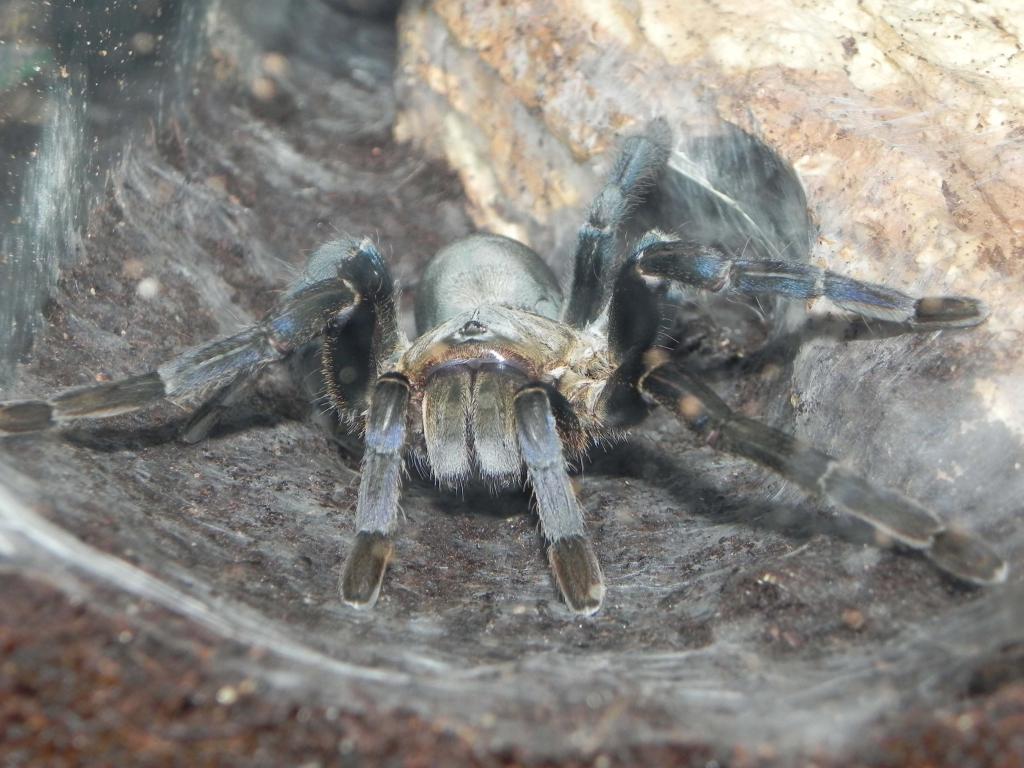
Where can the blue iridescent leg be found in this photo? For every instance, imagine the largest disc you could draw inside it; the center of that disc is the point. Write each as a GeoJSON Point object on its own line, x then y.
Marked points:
{"type": "Point", "coordinates": [639, 164]}
{"type": "Point", "coordinates": [335, 282]}
{"type": "Point", "coordinates": [377, 508]}
{"type": "Point", "coordinates": [712, 269]}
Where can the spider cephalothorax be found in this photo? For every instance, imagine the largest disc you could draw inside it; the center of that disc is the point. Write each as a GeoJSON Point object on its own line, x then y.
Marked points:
{"type": "Point", "coordinates": [508, 376]}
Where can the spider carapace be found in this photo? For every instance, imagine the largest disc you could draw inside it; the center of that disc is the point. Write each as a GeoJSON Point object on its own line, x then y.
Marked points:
{"type": "Point", "coordinates": [509, 379]}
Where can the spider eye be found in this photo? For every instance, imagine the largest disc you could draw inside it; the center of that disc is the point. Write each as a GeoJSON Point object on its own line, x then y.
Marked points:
{"type": "Point", "coordinates": [473, 328]}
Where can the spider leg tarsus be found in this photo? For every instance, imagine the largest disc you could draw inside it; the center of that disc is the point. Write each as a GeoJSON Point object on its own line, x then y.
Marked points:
{"type": "Point", "coordinates": [364, 568]}
{"type": "Point", "coordinates": [967, 557]}
{"type": "Point", "coordinates": [577, 573]}
{"type": "Point", "coordinates": [20, 416]}
{"type": "Point", "coordinates": [949, 312]}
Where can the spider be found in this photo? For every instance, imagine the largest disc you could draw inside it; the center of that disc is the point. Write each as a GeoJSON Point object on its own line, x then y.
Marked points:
{"type": "Point", "coordinates": [508, 376]}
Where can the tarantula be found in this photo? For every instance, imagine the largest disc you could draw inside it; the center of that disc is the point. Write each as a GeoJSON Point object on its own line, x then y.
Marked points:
{"type": "Point", "coordinates": [507, 375]}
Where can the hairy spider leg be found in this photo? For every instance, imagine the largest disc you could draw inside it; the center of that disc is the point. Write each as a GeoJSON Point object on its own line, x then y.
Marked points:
{"type": "Point", "coordinates": [632, 328]}
{"type": "Point", "coordinates": [634, 319]}
{"type": "Point", "coordinates": [640, 162]}
{"type": "Point", "coordinates": [570, 553]}
{"type": "Point", "coordinates": [379, 490]}
{"type": "Point", "coordinates": [359, 340]}
{"type": "Point", "coordinates": [712, 269]}
{"type": "Point", "coordinates": [354, 354]}
{"type": "Point", "coordinates": [204, 371]}
{"type": "Point", "coordinates": [890, 513]}
{"type": "Point", "coordinates": [343, 280]}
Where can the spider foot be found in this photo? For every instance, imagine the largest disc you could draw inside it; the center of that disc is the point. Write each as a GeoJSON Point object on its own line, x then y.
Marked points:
{"type": "Point", "coordinates": [25, 416]}
{"type": "Point", "coordinates": [577, 574]}
{"type": "Point", "coordinates": [967, 557]}
{"type": "Point", "coordinates": [199, 426]}
{"type": "Point", "coordinates": [364, 569]}
{"type": "Point", "coordinates": [948, 312]}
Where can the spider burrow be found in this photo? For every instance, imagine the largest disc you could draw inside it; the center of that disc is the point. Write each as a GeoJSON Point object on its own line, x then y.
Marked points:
{"type": "Point", "coordinates": [507, 375]}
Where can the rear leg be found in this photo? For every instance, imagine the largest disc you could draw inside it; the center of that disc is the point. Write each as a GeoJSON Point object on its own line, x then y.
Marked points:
{"type": "Point", "coordinates": [893, 515]}
{"type": "Point", "coordinates": [712, 269]}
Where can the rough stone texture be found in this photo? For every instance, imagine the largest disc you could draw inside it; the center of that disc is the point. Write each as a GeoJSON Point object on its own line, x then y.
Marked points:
{"type": "Point", "coordinates": [167, 604]}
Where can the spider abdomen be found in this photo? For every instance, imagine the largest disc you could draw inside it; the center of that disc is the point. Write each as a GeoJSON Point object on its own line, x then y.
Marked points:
{"type": "Point", "coordinates": [485, 269]}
